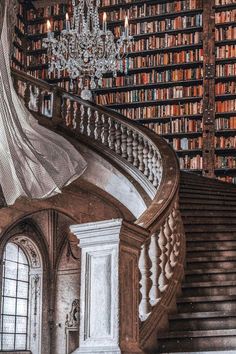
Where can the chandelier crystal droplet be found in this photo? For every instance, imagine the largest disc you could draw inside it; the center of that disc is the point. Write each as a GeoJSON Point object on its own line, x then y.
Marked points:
{"type": "Point", "coordinates": [86, 50]}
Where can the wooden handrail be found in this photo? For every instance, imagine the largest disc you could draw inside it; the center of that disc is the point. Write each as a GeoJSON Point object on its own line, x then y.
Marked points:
{"type": "Point", "coordinates": [162, 255]}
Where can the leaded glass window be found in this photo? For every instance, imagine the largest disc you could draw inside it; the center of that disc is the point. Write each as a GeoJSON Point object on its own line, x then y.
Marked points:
{"type": "Point", "coordinates": [14, 300]}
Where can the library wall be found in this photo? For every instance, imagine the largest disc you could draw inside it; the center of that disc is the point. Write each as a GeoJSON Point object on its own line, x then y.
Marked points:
{"type": "Point", "coordinates": [177, 84]}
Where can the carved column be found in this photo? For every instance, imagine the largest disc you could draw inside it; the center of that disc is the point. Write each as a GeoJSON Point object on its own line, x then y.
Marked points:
{"type": "Point", "coordinates": [109, 295]}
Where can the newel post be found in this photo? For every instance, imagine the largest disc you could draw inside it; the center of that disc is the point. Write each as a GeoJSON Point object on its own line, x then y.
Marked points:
{"type": "Point", "coordinates": [109, 293]}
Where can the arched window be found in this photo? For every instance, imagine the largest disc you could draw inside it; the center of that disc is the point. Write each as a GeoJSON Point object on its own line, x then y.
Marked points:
{"type": "Point", "coordinates": [14, 299]}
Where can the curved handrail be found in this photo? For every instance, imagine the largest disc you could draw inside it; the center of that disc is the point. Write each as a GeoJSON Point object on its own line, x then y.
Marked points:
{"type": "Point", "coordinates": [162, 255]}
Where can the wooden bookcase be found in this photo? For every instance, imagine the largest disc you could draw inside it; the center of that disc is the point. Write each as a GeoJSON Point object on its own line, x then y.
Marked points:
{"type": "Point", "coordinates": [181, 78]}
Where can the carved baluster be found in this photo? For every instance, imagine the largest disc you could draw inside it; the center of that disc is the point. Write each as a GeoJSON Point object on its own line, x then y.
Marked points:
{"type": "Point", "coordinates": [140, 154]}
{"type": "Point", "coordinates": [173, 227]}
{"type": "Point", "coordinates": [168, 235]}
{"type": "Point", "coordinates": [68, 112]}
{"type": "Point", "coordinates": [91, 115]}
{"type": "Point", "coordinates": [82, 114]}
{"type": "Point", "coordinates": [112, 135]}
{"type": "Point", "coordinates": [74, 115]}
{"type": "Point", "coordinates": [155, 170]}
{"type": "Point", "coordinates": [85, 120]}
{"type": "Point", "coordinates": [135, 149]}
{"type": "Point", "coordinates": [105, 130]}
{"type": "Point", "coordinates": [41, 109]}
{"type": "Point", "coordinates": [162, 281]}
{"type": "Point", "coordinates": [124, 142]}
{"type": "Point", "coordinates": [145, 158]}
{"type": "Point", "coordinates": [98, 126]}
{"type": "Point", "coordinates": [118, 138]}
{"type": "Point", "coordinates": [130, 146]}
{"type": "Point", "coordinates": [63, 110]}
{"type": "Point", "coordinates": [27, 94]}
{"type": "Point", "coordinates": [150, 171]}
{"type": "Point", "coordinates": [144, 307]}
{"type": "Point", "coordinates": [154, 255]}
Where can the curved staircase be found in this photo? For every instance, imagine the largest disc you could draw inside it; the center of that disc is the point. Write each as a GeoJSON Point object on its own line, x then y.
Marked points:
{"type": "Point", "coordinates": [206, 310]}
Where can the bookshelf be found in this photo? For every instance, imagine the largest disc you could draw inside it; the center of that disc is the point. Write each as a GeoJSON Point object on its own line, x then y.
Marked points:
{"type": "Point", "coordinates": [181, 78]}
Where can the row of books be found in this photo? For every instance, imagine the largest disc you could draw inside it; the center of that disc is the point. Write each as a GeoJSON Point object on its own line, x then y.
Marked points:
{"type": "Point", "coordinates": [20, 25]}
{"type": "Point", "coordinates": [187, 144]}
{"type": "Point", "coordinates": [41, 28]}
{"type": "Point", "coordinates": [225, 16]}
{"type": "Point", "coordinates": [225, 162]}
{"type": "Point", "coordinates": [226, 106]}
{"type": "Point", "coordinates": [167, 40]}
{"type": "Point", "coordinates": [225, 88]}
{"type": "Point", "coordinates": [225, 33]}
{"type": "Point", "coordinates": [35, 44]}
{"type": "Point", "coordinates": [177, 126]}
{"type": "Point", "coordinates": [226, 51]}
{"type": "Point", "coordinates": [224, 2]}
{"type": "Point", "coordinates": [223, 142]}
{"type": "Point", "coordinates": [177, 23]}
{"type": "Point", "coordinates": [162, 111]}
{"type": "Point", "coordinates": [154, 76]}
{"type": "Point", "coordinates": [158, 94]}
{"type": "Point", "coordinates": [226, 69]}
{"type": "Point", "coordinates": [225, 123]}
{"type": "Point", "coordinates": [18, 55]}
{"type": "Point", "coordinates": [48, 11]}
{"type": "Point", "coordinates": [190, 162]}
{"type": "Point", "coordinates": [35, 60]}
{"type": "Point", "coordinates": [162, 8]}
{"type": "Point", "coordinates": [229, 179]}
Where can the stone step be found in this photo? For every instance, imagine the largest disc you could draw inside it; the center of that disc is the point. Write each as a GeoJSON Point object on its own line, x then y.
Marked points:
{"type": "Point", "coordinates": [185, 341]}
{"type": "Point", "coordinates": [216, 245]}
{"type": "Point", "coordinates": [195, 189]}
{"type": "Point", "coordinates": [211, 254]}
{"type": "Point", "coordinates": [187, 205]}
{"type": "Point", "coordinates": [211, 201]}
{"type": "Point", "coordinates": [208, 228]}
{"type": "Point", "coordinates": [209, 288]}
{"type": "Point", "coordinates": [208, 214]}
{"type": "Point", "coordinates": [211, 264]}
{"type": "Point", "coordinates": [202, 321]}
{"type": "Point", "coordinates": [211, 237]}
{"type": "Point", "coordinates": [209, 197]}
{"type": "Point", "coordinates": [210, 277]}
{"type": "Point", "coordinates": [206, 303]}
{"type": "Point", "coordinates": [206, 220]}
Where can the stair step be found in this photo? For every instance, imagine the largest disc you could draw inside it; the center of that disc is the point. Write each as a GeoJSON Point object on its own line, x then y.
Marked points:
{"type": "Point", "coordinates": [210, 258]}
{"type": "Point", "coordinates": [187, 205]}
{"type": "Point", "coordinates": [198, 246]}
{"type": "Point", "coordinates": [209, 288]}
{"type": "Point", "coordinates": [211, 237]}
{"type": "Point", "coordinates": [209, 265]}
{"type": "Point", "coordinates": [209, 197]}
{"type": "Point", "coordinates": [209, 228]}
{"type": "Point", "coordinates": [186, 341]}
{"type": "Point", "coordinates": [210, 271]}
{"type": "Point", "coordinates": [211, 254]}
{"type": "Point", "coordinates": [209, 213]}
{"type": "Point", "coordinates": [207, 303]}
{"type": "Point", "coordinates": [210, 277]}
{"type": "Point", "coordinates": [192, 188]}
{"type": "Point", "coordinates": [207, 220]}
{"type": "Point", "coordinates": [206, 201]}
{"type": "Point", "coordinates": [203, 320]}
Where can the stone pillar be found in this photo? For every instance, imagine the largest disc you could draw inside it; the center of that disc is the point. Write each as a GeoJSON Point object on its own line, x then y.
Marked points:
{"type": "Point", "coordinates": [109, 294]}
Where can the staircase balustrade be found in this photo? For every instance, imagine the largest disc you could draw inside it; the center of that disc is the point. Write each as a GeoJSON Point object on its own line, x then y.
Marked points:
{"type": "Point", "coordinates": [162, 255]}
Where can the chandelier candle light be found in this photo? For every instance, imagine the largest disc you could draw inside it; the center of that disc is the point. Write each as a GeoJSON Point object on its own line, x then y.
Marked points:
{"type": "Point", "coordinates": [85, 50]}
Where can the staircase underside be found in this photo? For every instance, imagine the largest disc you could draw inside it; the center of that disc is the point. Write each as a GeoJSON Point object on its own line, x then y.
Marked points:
{"type": "Point", "coordinates": [205, 321]}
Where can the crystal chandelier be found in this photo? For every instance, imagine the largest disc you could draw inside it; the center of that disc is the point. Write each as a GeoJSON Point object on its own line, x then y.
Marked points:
{"type": "Point", "coordinates": [85, 50]}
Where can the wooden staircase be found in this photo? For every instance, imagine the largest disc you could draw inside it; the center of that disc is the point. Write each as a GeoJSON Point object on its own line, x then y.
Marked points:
{"type": "Point", "coordinates": [206, 310]}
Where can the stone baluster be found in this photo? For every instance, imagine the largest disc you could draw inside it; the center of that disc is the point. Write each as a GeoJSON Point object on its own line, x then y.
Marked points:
{"type": "Point", "coordinates": [91, 118]}
{"type": "Point", "coordinates": [155, 169]}
{"type": "Point", "coordinates": [130, 157]}
{"type": "Point", "coordinates": [150, 166]}
{"type": "Point", "coordinates": [162, 242]}
{"type": "Point", "coordinates": [144, 306]}
{"type": "Point", "coordinates": [173, 227]}
{"type": "Point", "coordinates": [135, 149]}
{"type": "Point", "coordinates": [168, 235]}
{"type": "Point", "coordinates": [82, 114]}
{"type": "Point", "coordinates": [105, 129]}
{"type": "Point", "coordinates": [85, 121]}
{"type": "Point", "coordinates": [68, 117]}
{"type": "Point", "coordinates": [154, 255]}
{"type": "Point", "coordinates": [124, 142]}
{"type": "Point", "coordinates": [145, 158]}
{"type": "Point", "coordinates": [98, 128]}
{"type": "Point", "coordinates": [112, 134]}
{"type": "Point", "coordinates": [40, 101]}
{"type": "Point", "coordinates": [140, 154]}
{"type": "Point", "coordinates": [27, 94]}
{"type": "Point", "coordinates": [74, 115]}
{"type": "Point", "coordinates": [118, 138]}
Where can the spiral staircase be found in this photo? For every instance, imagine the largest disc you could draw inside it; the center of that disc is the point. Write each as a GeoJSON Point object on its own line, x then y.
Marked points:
{"type": "Point", "coordinates": [187, 288]}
